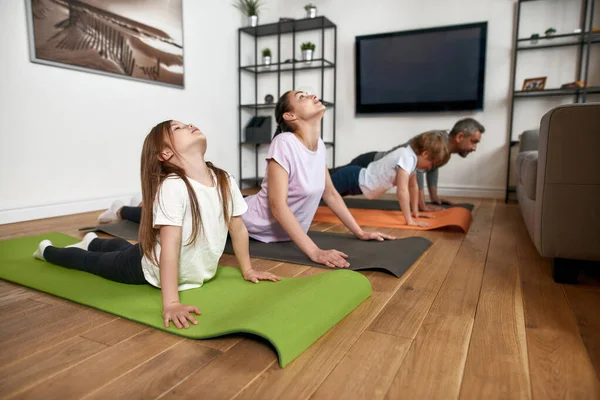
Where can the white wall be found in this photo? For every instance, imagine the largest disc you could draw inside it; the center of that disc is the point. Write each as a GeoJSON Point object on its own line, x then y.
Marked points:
{"type": "Point", "coordinates": [483, 173]}
{"type": "Point", "coordinates": [71, 141]}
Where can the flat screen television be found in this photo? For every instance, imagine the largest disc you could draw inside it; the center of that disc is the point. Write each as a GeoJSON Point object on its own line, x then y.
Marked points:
{"type": "Point", "coordinates": [423, 70]}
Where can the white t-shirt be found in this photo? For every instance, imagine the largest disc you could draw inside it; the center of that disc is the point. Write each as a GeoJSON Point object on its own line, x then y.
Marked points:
{"type": "Point", "coordinates": [380, 175]}
{"type": "Point", "coordinates": [198, 261]}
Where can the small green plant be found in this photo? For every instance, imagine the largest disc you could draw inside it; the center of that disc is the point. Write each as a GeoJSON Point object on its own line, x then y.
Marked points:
{"type": "Point", "coordinates": [248, 7]}
{"type": "Point", "coordinates": [309, 6]}
{"type": "Point", "coordinates": [266, 52]}
{"type": "Point", "coordinates": [307, 46]}
{"type": "Point", "coordinates": [535, 36]}
{"type": "Point", "coordinates": [550, 31]}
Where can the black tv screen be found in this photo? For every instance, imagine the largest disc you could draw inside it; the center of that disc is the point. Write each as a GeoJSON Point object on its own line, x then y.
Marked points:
{"type": "Point", "coordinates": [436, 69]}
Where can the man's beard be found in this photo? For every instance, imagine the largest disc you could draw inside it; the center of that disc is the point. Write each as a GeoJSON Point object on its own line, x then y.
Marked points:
{"type": "Point", "coordinates": [464, 154]}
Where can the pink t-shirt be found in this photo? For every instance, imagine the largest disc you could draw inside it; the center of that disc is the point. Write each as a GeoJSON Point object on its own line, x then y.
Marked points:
{"type": "Point", "coordinates": [306, 183]}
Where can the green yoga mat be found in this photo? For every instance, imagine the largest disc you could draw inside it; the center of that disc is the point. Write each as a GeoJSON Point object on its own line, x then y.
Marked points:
{"type": "Point", "coordinates": [291, 314]}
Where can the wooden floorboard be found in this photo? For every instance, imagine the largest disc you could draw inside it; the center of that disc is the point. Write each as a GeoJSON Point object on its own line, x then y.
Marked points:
{"type": "Point", "coordinates": [159, 374]}
{"type": "Point", "coordinates": [405, 312]}
{"type": "Point", "coordinates": [459, 293]}
{"type": "Point", "coordinates": [105, 366]}
{"type": "Point", "coordinates": [434, 365]}
{"type": "Point", "coordinates": [367, 370]}
{"type": "Point", "coordinates": [478, 316]}
{"type": "Point", "coordinates": [586, 307]}
{"type": "Point", "coordinates": [496, 367]}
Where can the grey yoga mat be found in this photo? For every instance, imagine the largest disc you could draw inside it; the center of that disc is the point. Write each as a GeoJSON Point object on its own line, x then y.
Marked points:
{"type": "Point", "coordinates": [122, 229]}
{"type": "Point", "coordinates": [388, 205]}
{"type": "Point", "coordinates": [393, 256]}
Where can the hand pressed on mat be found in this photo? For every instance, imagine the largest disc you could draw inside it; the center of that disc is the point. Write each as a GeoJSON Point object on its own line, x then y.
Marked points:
{"type": "Point", "coordinates": [374, 236]}
{"type": "Point", "coordinates": [415, 222]}
{"type": "Point", "coordinates": [254, 276]}
{"type": "Point", "coordinates": [179, 314]}
{"type": "Point", "coordinates": [330, 258]}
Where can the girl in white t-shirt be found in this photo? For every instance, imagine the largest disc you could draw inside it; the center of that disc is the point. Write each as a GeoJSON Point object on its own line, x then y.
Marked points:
{"type": "Point", "coordinates": [189, 207]}
{"type": "Point", "coordinates": [398, 168]}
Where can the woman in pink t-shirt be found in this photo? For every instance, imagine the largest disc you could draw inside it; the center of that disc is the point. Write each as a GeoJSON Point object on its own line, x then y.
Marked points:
{"type": "Point", "coordinates": [295, 181]}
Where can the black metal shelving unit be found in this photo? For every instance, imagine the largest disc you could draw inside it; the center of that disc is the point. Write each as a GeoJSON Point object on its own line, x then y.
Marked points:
{"type": "Point", "coordinates": [584, 40]}
{"type": "Point", "coordinates": [280, 68]}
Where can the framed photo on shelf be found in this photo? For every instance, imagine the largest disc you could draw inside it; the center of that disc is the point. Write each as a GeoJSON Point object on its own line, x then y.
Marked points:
{"type": "Point", "coordinates": [532, 84]}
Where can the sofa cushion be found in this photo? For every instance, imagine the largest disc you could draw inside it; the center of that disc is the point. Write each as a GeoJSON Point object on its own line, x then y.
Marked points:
{"type": "Point", "coordinates": [527, 162]}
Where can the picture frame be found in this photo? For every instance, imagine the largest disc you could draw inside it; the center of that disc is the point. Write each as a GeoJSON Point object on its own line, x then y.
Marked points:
{"type": "Point", "coordinates": [110, 37]}
{"type": "Point", "coordinates": [533, 84]}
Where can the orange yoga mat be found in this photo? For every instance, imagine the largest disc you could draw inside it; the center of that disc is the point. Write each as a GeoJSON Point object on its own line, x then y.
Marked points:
{"type": "Point", "coordinates": [452, 217]}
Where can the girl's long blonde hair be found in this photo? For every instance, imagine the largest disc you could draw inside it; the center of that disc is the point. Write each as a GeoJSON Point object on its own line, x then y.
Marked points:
{"type": "Point", "coordinates": [153, 174]}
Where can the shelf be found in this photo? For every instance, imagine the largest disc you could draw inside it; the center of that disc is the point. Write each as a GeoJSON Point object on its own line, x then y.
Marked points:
{"type": "Point", "coordinates": [299, 25]}
{"type": "Point", "coordinates": [317, 63]}
{"type": "Point", "coordinates": [556, 92]}
{"type": "Point", "coordinates": [264, 106]}
{"type": "Point", "coordinates": [513, 142]}
{"type": "Point", "coordinates": [252, 181]}
{"type": "Point", "coordinates": [563, 41]}
{"type": "Point", "coordinates": [552, 37]}
{"type": "Point", "coordinates": [330, 144]}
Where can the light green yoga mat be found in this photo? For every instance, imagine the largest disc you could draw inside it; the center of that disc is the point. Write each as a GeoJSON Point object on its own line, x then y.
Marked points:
{"type": "Point", "coordinates": [291, 314]}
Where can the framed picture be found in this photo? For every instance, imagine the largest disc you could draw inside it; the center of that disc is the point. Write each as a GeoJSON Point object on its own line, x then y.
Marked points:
{"type": "Point", "coordinates": [134, 39]}
{"type": "Point", "coordinates": [534, 84]}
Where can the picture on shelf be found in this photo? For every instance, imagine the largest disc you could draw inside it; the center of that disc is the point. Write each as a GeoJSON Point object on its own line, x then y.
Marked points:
{"type": "Point", "coordinates": [141, 40]}
{"type": "Point", "coordinates": [573, 85]}
{"type": "Point", "coordinates": [533, 84]}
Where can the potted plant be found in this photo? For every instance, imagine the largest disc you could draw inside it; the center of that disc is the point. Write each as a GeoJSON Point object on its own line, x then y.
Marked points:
{"type": "Point", "coordinates": [250, 8]}
{"type": "Point", "coordinates": [550, 31]}
{"type": "Point", "coordinates": [534, 38]}
{"type": "Point", "coordinates": [308, 49]}
{"type": "Point", "coordinates": [266, 54]}
{"type": "Point", "coordinates": [311, 10]}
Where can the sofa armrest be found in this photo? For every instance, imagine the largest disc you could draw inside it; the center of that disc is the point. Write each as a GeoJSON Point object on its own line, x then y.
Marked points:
{"type": "Point", "coordinates": [567, 211]}
{"type": "Point", "coordinates": [529, 141]}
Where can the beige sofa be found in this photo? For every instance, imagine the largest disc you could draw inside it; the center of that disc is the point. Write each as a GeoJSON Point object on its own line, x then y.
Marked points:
{"type": "Point", "coordinates": [558, 187]}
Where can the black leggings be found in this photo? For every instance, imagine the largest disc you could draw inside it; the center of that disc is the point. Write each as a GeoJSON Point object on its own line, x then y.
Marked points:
{"type": "Point", "coordinates": [362, 161]}
{"type": "Point", "coordinates": [133, 214]}
{"type": "Point", "coordinates": [114, 259]}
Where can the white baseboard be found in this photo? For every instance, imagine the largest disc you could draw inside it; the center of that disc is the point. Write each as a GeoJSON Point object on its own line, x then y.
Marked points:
{"type": "Point", "coordinates": [9, 216]}
{"type": "Point", "coordinates": [473, 191]}
{"type": "Point", "coordinates": [466, 191]}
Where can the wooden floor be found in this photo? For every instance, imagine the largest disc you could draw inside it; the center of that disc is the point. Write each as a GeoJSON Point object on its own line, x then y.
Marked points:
{"type": "Point", "coordinates": [477, 317]}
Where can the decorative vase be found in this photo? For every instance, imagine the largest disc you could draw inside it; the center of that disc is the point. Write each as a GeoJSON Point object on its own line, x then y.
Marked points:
{"type": "Point", "coordinates": [534, 41]}
{"type": "Point", "coordinates": [253, 20]}
{"type": "Point", "coordinates": [311, 12]}
{"type": "Point", "coordinates": [267, 60]}
{"type": "Point", "coordinates": [307, 55]}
